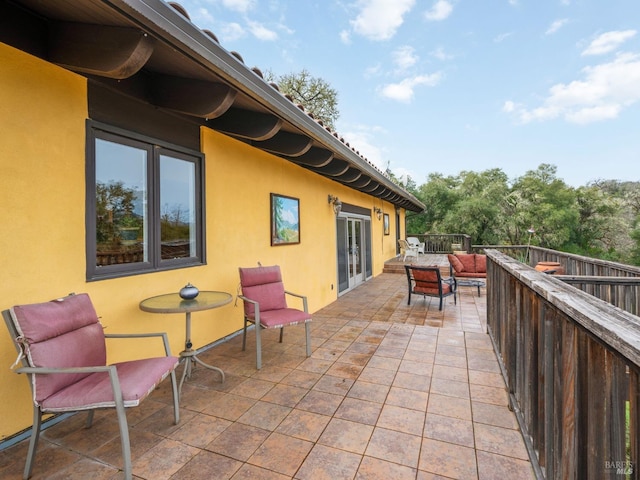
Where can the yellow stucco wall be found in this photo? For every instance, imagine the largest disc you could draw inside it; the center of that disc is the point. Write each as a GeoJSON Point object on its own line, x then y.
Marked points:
{"type": "Point", "coordinates": [43, 109]}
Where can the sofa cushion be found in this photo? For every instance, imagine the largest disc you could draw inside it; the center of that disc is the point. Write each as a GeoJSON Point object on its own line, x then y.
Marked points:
{"type": "Point", "coordinates": [471, 275]}
{"type": "Point", "coordinates": [468, 261]}
{"type": "Point", "coordinates": [481, 263]}
{"type": "Point", "coordinates": [455, 263]}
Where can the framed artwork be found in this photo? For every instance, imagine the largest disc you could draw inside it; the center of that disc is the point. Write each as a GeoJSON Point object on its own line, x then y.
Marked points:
{"type": "Point", "coordinates": [285, 220]}
{"type": "Point", "coordinates": [386, 223]}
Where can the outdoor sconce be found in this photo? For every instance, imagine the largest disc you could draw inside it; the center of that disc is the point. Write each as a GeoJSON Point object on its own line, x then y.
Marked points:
{"type": "Point", "coordinates": [337, 204]}
{"type": "Point", "coordinates": [378, 212]}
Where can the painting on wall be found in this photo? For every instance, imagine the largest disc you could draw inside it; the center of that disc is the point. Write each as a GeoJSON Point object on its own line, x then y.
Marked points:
{"type": "Point", "coordinates": [386, 223]}
{"type": "Point", "coordinates": [285, 220]}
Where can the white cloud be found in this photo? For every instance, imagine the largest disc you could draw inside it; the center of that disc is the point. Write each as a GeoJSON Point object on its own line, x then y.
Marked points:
{"type": "Point", "coordinates": [362, 137]}
{"type": "Point", "coordinates": [379, 19]}
{"type": "Point", "coordinates": [556, 25]}
{"type": "Point", "coordinates": [345, 37]}
{"type": "Point", "coordinates": [440, 10]}
{"type": "Point", "coordinates": [502, 36]}
{"type": "Point", "coordinates": [231, 32]}
{"type": "Point", "coordinates": [604, 92]}
{"type": "Point", "coordinates": [404, 57]}
{"type": "Point", "coordinates": [261, 32]}
{"type": "Point", "coordinates": [404, 90]}
{"type": "Point", "coordinates": [241, 6]}
{"type": "Point", "coordinates": [608, 42]}
{"type": "Point", "coordinates": [440, 54]}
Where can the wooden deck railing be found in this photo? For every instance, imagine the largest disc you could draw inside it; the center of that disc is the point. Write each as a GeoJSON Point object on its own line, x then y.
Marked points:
{"type": "Point", "coordinates": [571, 363]}
{"type": "Point", "coordinates": [615, 283]}
{"type": "Point", "coordinates": [441, 243]}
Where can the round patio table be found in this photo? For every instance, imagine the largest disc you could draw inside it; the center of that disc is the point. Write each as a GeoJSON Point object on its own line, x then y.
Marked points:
{"type": "Point", "coordinates": [174, 303]}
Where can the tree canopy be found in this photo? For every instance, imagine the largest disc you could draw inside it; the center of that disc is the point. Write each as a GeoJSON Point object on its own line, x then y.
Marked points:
{"type": "Point", "coordinates": [600, 220]}
{"type": "Point", "coordinates": [315, 94]}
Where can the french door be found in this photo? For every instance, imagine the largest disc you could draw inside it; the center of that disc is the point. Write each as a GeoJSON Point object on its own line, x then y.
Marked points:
{"type": "Point", "coordinates": [354, 251]}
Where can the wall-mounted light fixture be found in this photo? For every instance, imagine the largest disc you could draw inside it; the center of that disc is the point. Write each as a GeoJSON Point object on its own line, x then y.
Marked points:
{"type": "Point", "coordinates": [378, 212]}
{"type": "Point", "coordinates": [337, 204]}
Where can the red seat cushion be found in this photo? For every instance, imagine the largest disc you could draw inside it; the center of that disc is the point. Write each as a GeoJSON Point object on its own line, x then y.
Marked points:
{"type": "Point", "coordinates": [481, 263]}
{"type": "Point", "coordinates": [457, 265]}
{"type": "Point", "coordinates": [468, 261]}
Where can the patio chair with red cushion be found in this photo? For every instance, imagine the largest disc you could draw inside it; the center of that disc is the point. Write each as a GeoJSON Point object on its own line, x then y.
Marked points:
{"type": "Point", "coordinates": [265, 305]}
{"type": "Point", "coordinates": [62, 347]}
{"type": "Point", "coordinates": [428, 281]}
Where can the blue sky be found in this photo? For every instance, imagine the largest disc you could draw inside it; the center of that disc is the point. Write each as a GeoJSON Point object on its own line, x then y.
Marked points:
{"type": "Point", "coordinates": [442, 86]}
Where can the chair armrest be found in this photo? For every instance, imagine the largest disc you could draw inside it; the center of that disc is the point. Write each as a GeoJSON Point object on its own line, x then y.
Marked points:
{"type": "Point", "coordinates": [303, 297]}
{"type": "Point", "coordinates": [165, 339]}
{"type": "Point", "coordinates": [48, 370]}
{"type": "Point", "coordinates": [248, 300]}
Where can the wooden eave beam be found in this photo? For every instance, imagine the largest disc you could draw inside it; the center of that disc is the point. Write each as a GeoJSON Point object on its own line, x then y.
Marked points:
{"type": "Point", "coordinates": [247, 124]}
{"type": "Point", "coordinates": [285, 143]}
{"type": "Point", "coordinates": [336, 168]}
{"type": "Point", "coordinates": [314, 157]}
{"type": "Point", "coordinates": [106, 51]}
{"type": "Point", "coordinates": [192, 97]}
{"type": "Point", "coordinates": [361, 182]}
{"type": "Point", "coordinates": [350, 176]}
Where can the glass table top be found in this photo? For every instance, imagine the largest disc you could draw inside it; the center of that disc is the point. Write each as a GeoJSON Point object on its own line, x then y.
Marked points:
{"type": "Point", "coordinates": [173, 303]}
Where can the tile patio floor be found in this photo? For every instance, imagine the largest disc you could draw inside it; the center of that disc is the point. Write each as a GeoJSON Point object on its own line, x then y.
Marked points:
{"type": "Point", "coordinates": [391, 392]}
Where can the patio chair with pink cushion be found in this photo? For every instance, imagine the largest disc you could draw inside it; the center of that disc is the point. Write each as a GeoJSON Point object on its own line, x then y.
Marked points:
{"type": "Point", "coordinates": [265, 305]}
{"type": "Point", "coordinates": [62, 347]}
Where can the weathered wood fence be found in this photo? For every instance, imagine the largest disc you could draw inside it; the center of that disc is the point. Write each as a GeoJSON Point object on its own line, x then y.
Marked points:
{"type": "Point", "coordinates": [441, 243]}
{"type": "Point", "coordinates": [571, 363]}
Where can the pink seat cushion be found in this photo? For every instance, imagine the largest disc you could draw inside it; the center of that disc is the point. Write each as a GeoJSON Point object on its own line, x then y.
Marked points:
{"type": "Point", "coordinates": [282, 318]}
{"type": "Point", "coordinates": [60, 333]}
{"type": "Point", "coordinates": [263, 285]}
{"type": "Point", "coordinates": [137, 379]}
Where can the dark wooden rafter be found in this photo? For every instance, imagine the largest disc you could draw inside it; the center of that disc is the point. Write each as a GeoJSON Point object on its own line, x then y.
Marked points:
{"type": "Point", "coordinates": [314, 157]}
{"type": "Point", "coordinates": [133, 63]}
{"type": "Point", "coordinates": [247, 124]}
{"type": "Point", "coordinates": [103, 50]}
{"type": "Point", "coordinates": [369, 188]}
{"type": "Point", "coordinates": [285, 143]}
{"type": "Point", "coordinates": [192, 97]}
{"type": "Point", "coordinates": [336, 168]}
{"type": "Point", "coordinates": [351, 175]}
{"type": "Point", "coordinates": [361, 182]}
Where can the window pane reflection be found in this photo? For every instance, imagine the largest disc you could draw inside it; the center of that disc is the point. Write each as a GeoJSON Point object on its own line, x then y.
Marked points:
{"type": "Point", "coordinates": [121, 199]}
{"type": "Point", "coordinates": [177, 208]}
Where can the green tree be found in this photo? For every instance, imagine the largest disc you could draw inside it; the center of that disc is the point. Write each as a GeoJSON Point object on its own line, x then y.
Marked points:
{"type": "Point", "coordinates": [315, 94]}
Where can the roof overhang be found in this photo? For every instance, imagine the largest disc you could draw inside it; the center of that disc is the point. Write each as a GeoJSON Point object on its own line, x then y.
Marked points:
{"type": "Point", "coordinates": [150, 50]}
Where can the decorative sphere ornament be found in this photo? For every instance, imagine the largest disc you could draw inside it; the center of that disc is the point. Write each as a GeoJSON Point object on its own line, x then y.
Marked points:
{"type": "Point", "coordinates": [189, 292]}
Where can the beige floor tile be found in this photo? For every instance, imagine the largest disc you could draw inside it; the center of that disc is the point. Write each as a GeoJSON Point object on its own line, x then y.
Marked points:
{"type": "Point", "coordinates": [281, 453]}
{"type": "Point", "coordinates": [376, 469]}
{"type": "Point", "coordinates": [396, 447]}
{"type": "Point", "coordinates": [304, 425]}
{"type": "Point", "coordinates": [401, 419]}
{"type": "Point", "coordinates": [346, 435]}
{"type": "Point", "coordinates": [449, 429]}
{"type": "Point", "coordinates": [503, 441]}
{"type": "Point", "coordinates": [448, 460]}
{"type": "Point", "coordinates": [326, 463]}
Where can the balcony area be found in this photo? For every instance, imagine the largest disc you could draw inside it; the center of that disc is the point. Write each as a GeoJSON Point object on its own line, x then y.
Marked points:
{"type": "Point", "coordinates": [391, 391]}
